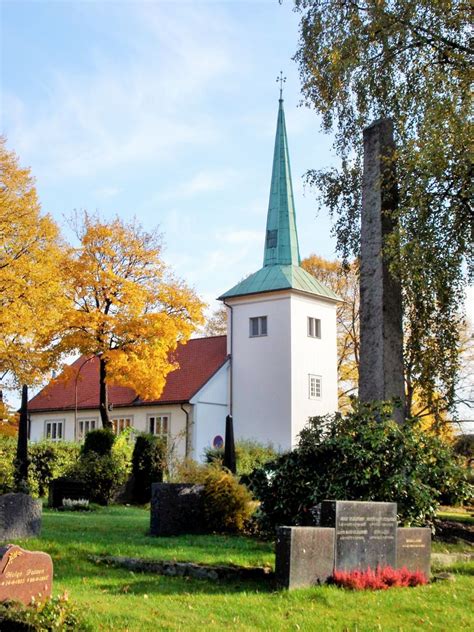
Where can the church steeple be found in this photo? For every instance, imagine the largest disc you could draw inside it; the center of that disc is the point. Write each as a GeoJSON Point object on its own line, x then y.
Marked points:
{"type": "Point", "coordinates": [281, 242]}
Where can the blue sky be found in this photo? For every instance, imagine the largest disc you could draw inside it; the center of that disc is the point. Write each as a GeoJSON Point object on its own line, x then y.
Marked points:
{"type": "Point", "coordinates": [166, 111]}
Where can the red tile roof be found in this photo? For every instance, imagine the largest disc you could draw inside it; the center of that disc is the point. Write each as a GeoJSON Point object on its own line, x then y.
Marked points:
{"type": "Point", "coordinates": [198, 360]}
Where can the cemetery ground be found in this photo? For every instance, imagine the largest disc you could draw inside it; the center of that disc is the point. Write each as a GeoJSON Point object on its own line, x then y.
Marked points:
{"type": "Point", "coordinates": [117, 599]}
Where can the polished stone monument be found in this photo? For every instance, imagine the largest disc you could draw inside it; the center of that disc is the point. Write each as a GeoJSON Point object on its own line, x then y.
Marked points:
{"type": "Point", "coordinates": [176, 508]}
{"type": "Point", "coordinates": [20, 517]}
{"type": "Point", "coordinates": [25, 575]}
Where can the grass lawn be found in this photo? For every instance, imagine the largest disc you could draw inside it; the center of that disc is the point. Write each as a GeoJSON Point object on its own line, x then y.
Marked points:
{"type": "Point", "coordinates": [115, 599]}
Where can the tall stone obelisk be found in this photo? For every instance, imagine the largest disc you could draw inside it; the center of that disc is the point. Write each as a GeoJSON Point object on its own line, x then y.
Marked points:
{"type": "Point", "coordinates": [381, 331]}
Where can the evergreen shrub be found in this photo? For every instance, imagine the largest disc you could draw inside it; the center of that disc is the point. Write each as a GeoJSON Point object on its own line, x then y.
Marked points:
{"type": "Point", "coordinates": [363, 455]}
{"type": "Point", "coordinates": [148, 464]}
{"type": "Point", "coordinates": [7, 456]}
{"type": "Point", "coordinates": [99, 441]}
{"type": "Point", "coordinates": [50, 460]}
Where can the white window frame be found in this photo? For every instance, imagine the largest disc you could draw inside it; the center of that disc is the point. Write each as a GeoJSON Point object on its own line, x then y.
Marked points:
{"type": "Point", "coordinates": [314, 327]}
{"type": "Point", "coordinates": [155, 416]}
{"type": "Point", "coordinates": [315, 386]}
{"type": "Point", "coordinates": [58, 423]}
{"type": "Point", "coordinates": [116, 419]}
{"type": "Point", "coordinates": [261, 328]}
{"type": "Point", "coordinates": [86, 420]}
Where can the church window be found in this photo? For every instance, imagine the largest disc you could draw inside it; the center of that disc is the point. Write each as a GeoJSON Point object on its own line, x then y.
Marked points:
{"type": "Point", "coordinates": [159, 425]}
{"type": "Point", "coordinates": [258, 326]}
{"type": "Point", "coordinates": [272, 238]}
{"type": "Point", "coordinates": [54, 430]}
{"type": "Point", "coordinates": [314, 327]}
{"type": "Point", "coordinates": [315, 387]}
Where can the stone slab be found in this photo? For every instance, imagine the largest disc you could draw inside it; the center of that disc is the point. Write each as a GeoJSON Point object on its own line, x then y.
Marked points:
{"type": "Point", "coordinates": [176, 508]}
{"type": "Point", "coordinates": [366, 533]}
{"type": "Point", "coordinates": [304, 556]}
{"type": "Point", "coordinates": [25, 575]}
{"type": "Point", "coordinates": [20, 517]}
{"type": "Point", "coordinates": [63, 487]}
{"type": "Point", "coordinates": [414, 549]}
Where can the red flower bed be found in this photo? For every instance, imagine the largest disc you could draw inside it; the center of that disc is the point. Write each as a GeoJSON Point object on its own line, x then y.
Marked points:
{"type": "Point", "coordinates": [380, 579]}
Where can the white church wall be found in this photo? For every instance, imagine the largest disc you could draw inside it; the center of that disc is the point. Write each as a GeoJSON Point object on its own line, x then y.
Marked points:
{"type": "Point", "coordinates": [312, 356]}
{"type": "Point", "coordinates": [139, 418]}
{"type": "Point", "coordinates": [210, 408]}
{"type": "Point", "coordinates": [261, 370]}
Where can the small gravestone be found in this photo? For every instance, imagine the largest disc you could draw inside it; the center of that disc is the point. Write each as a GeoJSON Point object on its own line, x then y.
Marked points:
{"type": "Point", "coordinates": [304, 556]}
{"type": "Point", "coordinates": [24, 575]}
{"type": "Point", "coordinates": [64, 487]}
{"type": "Point", "coordinates": [366, 533]}
{"type": "Point", "coordinates": [414, 549]}
{"type": "Point", "coordinates": [20, 517]}
{"type": "Point", "coordinates": [176, 508]}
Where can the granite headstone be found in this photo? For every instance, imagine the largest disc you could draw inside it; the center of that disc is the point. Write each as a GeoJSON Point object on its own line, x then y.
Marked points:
{"type": "Point", "coordinates": [20, 517]}
{"type": "Point", "coordinates": [25, 575]}
{"type": "Point", "coordinates": [414, 549]}
{"type": "Point", "coordinates": [304, 556]}
{"type": "Point", "coordinates": [176, 508]}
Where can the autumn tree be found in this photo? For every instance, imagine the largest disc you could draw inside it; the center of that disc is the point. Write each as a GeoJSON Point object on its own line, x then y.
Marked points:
{"type": "Point", "coordinates": [127, 308]}
{"type": "Point", "coordinates": [31, 294]}
{"type": "Point", "coordinates": [344, 281]}
{"type": "Point", "coordinates": [216, 324]}
{"type": "Point", "coordinates": [409, 60]}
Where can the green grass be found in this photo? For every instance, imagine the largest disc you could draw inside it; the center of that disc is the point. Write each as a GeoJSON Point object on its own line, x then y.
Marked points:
{"type": "Point", "coordinates": [116, 599]}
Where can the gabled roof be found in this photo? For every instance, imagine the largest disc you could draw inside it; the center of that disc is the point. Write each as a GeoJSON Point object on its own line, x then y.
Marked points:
{"type": "Point", "coordinates": [198, 360]}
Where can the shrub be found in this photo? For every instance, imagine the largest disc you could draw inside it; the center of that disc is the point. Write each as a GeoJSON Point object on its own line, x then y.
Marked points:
{"type": "Point", "coordinates": [189, 471]}
{"type": "Point", "coordinates": [227, 503]}
{"type": "Point", "coordinates": [99, 441]}
{"type": "Point", "coordinates": [249, 455]}
{"type": "Point", "coordinates": [362, 456]}
{"type": "Point", "coordinates": [7, 456]}
{"type": "Point", "coordinates": [54, 614]}
{"type": "Point", "coordinates": [148, 463]}
{"type": "Point", "coordinates": [50, 460]}
{"type": "Point", "coordinates": [380, 579]}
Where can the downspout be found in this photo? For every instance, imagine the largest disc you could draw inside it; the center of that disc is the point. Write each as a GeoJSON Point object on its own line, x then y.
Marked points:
{"type": "Point", "coordinates": [231, 348]}
{"type": "Point", "coordinates": [187, 445]}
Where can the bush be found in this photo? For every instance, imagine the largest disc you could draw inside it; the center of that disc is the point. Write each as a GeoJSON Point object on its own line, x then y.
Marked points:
{"type": "Point", "coordinates": [227, 503]}
{"type": "Point", "coordinates": [148, 463]}
{"type": "Point", "coordinates": [249, 455]}
{"type": "Point", "coordinates": [7, 456]}
{"type": "Point", "coordinates": [189, 471]}
{"type": "Point", "coordinates": [362, 456]}
{"type": "Point", "coordinates": [50, 460]}
{"type": "Point", "coordinates": [99, 441]}
{"type": "Point", "coordinates": [380, 579]}
{"type": "Point", "coordinates": [54, 614]}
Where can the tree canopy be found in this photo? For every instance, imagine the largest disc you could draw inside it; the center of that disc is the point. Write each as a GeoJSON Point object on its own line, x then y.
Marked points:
{"type": "Point", "coordinates": [409, 60]}
{"type": "Point", "coordinates": [31, 294]}
{"type": "Point", "coordinates": [126, 306]}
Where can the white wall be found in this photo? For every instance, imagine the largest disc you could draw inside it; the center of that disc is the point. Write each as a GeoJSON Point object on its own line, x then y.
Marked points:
{"type": "Point", "coordinates": [316, 356]}
{"type": "Point", "coordinates": [261, 370]}
{"type": "Point", "coordinates": [138, 416]}
{"type": "Point", "coordinates": [210, 407]}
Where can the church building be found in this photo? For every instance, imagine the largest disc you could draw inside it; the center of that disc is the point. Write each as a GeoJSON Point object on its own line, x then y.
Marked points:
{"type": "Point", "coordinates": [276, 367]}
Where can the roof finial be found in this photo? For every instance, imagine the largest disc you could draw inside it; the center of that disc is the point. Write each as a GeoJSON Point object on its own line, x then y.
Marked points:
{"type": "Point", "coordinates": [281, 80]}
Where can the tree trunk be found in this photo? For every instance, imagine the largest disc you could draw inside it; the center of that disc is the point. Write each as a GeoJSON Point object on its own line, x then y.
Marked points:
{"type": "Point", "coordinates": [21, 463]}
{"type": "Point", "coordinates": [103, 395]}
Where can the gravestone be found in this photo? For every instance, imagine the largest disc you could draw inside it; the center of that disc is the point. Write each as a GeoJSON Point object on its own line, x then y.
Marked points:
{"type": "Point", "coordinates": [304, 556]}
{"type": "Point", "coordinates": [24, 575]}
{"type": "Point", "coordinates": [176, 508]}
{"type": "Point", "coordinates": [63, 487]}
{"type": "Point", "coordinates": [414, 549]}
{"type": "Point", "coordinates": [381, 332]}
{"type": "Point", "coordinates": [365, 533]}
{"type": "Point", "coordinates": [20, 517]}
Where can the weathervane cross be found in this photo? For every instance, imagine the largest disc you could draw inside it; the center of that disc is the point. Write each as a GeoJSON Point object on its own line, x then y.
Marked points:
{"type": "Point", "coordinates": [281, 80]}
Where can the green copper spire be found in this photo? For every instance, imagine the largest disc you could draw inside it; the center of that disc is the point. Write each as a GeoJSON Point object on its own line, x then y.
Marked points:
{"type": "Point", "coordinates": [281, 242]}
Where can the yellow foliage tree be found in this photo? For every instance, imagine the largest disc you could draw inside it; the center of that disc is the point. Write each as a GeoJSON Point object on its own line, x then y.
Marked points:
{"type": "Point", "coordinates": [127, 307]}
{"type": "Point", "coordinates": [31, 294]}
{"type": "Point", "coordinates": [345, 282]}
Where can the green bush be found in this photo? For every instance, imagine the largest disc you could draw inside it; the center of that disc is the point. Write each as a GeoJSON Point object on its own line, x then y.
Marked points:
{"type": "Point", "coordinates": [364, 455]}
{"type": "Point", "coordinates": [227, 503]}
{"type": "Point", "coordinates": [7, 456]}
{"type": "Point", "coordinates": [148, 463]}
{"type": "Point", "coordinates": [188, 471]}
{"type": "Point", "coordinates": [99, 441]}
{"type": "Point", "coordinates": [50, 460]}
{"type": "Point", "coordinates": [249, 455]}
{"type": "Point", "coordinates": [54, 614]}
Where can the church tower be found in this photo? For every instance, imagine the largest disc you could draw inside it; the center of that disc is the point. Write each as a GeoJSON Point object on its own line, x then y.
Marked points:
{"type": "Point", "coordinates": [282, 328]}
